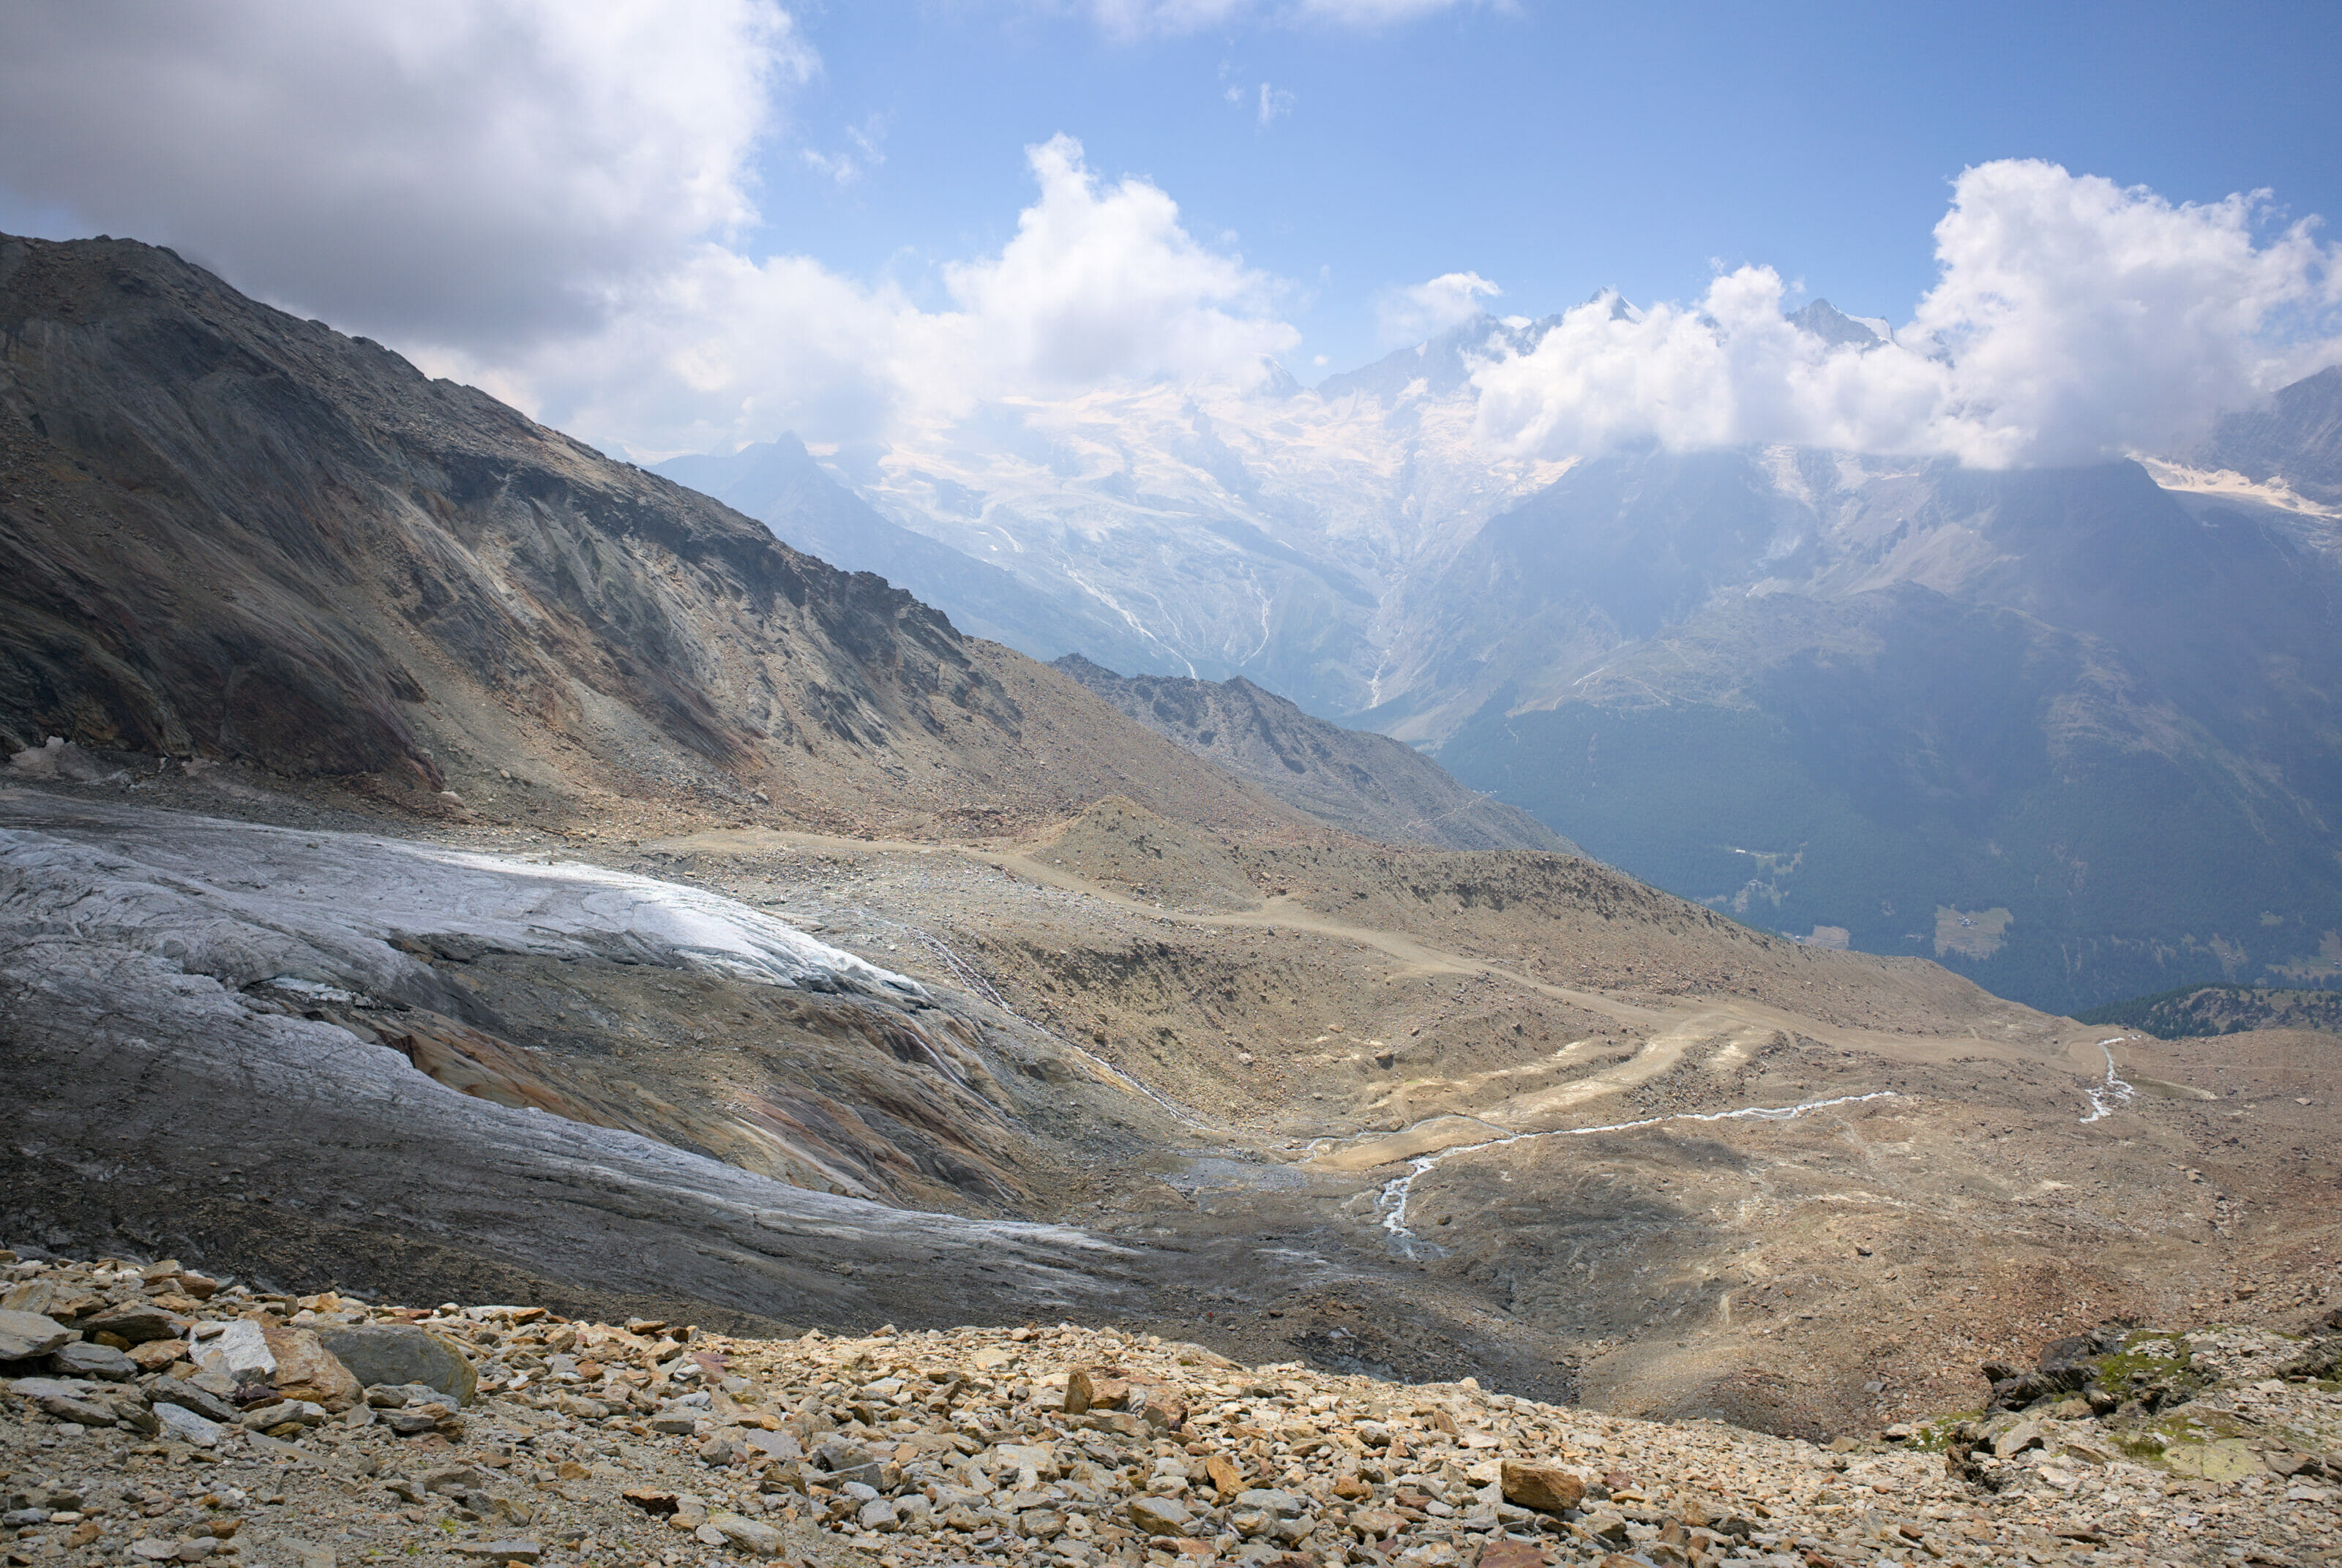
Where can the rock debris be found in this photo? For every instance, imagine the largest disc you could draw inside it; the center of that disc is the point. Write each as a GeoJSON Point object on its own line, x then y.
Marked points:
{"type": "Point", "coordinates": [172, 1418]}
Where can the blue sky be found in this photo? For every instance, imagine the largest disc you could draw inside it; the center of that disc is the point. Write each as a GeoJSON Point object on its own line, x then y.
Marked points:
{"type": "Point", "coordinates": [1554, 149]}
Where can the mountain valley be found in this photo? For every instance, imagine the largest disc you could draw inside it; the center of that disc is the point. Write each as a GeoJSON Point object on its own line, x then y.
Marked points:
{"type": "Point", "coordinates": [468, 866]}
{"type": "Point", "coordinates": [2067, 730]}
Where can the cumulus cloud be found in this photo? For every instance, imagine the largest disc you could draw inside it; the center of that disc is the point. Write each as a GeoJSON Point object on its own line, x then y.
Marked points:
{"type": "Point", "coordinates": [1104, 283]}
{"type": "Point", "coordinates": [2073, 319]}
{"type": "Point", "coordinates": [1101, 283]}
{"type": "Point", "coordinates": [1428, 309]}
{"type": "Point", "coordinates": [461, 170]}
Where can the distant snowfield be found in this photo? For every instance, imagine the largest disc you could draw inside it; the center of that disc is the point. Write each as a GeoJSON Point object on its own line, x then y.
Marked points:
{"type": "Point", "coordinates": [2230, 484]}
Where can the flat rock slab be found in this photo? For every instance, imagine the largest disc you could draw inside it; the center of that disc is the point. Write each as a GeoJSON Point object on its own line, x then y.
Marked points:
{"type": "Point", "coordinates": [26, 1334]}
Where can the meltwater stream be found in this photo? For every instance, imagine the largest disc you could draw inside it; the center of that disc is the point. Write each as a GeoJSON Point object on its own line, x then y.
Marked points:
{"type": "Point", "coordinates": [2114, 1092]}
{"type": "Point", "coordinates": [1395, 1195]}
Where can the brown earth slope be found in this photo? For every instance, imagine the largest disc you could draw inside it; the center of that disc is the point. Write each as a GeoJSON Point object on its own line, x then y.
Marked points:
{"type": "Point", "coordinates": [229, 533]}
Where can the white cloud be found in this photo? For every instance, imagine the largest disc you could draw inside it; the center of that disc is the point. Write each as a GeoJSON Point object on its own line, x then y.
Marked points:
{"type": "Point", "coordinates": [1105, 282]}
{"type": "Point", "coordinates": [1274, 104]}
{"type": "Point", "coordinates": [460, 169]}
{"type": "Point", "coordinates": [1428, 309]}
{"type": "Point", "coordinates": [2073, 320]}
{"type": "Point", "coordinates": [1100, 284]}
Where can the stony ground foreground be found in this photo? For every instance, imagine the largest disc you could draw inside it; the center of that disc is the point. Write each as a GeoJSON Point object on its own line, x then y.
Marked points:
{"type": "Point", "coordinates": [593, 1443]}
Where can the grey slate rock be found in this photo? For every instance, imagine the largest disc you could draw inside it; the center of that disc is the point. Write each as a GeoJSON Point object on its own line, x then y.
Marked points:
{"type": "Point", "coordinates": [170, 1391]}
{"type": "Point", "coordinates": [83, 1359]}
{"type": "Point", "coordinates": [398, 1353]}
{"type": "Point", "coordinates": [25, 1334]}
{"type": "Point", "coordinates": [135, 1322]}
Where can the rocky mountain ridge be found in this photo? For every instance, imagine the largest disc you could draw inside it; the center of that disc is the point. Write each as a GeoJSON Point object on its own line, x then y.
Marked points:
{"type": "Point", "coordinates": [1355, 779]}
{"type": "Point", "coordinates": [232, 535]}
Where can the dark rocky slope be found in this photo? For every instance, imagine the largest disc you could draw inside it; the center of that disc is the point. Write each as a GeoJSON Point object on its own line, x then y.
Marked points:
{"type": "Point", "coordinates": [228, 533]}
{"type": "Point", "coordinates": [2296, 438]}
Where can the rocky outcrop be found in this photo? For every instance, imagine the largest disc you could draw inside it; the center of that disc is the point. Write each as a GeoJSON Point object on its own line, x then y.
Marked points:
{"type": "Point", "coordinates": [2296, 438]}
{"type": "Point", "coordinates": [1361, 783]}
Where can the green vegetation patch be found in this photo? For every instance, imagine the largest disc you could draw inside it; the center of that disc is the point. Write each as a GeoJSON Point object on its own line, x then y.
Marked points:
{"type": "Point", "coordinates": [2191, 1012]}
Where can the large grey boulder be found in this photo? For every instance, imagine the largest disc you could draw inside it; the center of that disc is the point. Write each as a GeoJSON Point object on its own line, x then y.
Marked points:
{"type": "Point", "coordinates": [395, 1353]}
{"type": "Point", "coordinates": [25, 1334]}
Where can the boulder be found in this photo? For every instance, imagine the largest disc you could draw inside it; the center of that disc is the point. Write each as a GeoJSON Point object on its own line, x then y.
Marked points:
{"type": "Point", "coordinates": [99, 1360]}
{"type": "Point", "coordinates": [1548, 1488]}
{"type": "Point", "coordinates": [159, 1354]}
{"type": "Point", "coordinates": [1270, 1500]}
{"type": "Point", "coordinates": [186, 1396]}
{"type": "Point", "coordinates": [1160, 1515]}
{"type": "Point", "coordinates": [1165, 1410]}
{"type": "Point", "coordinates": [25, 1334]}
{"type": "Point", "coordinates": [378, 1352]}
{"type": "Point", "coordinates": [745, 1535]}
{"type": "Point", "coordinates": [307, 1369]}
{"type": "Point", "coordinates": [134, 1323]}
{"type": "Point", "coordinates": [2024, 1434]}
{"type": "Point", "coordinates": [1086, 1391]}
{"type": "Point", "coordinates": [239, 1352]}
{"type": "Point", "coordinates": [185, 1425]}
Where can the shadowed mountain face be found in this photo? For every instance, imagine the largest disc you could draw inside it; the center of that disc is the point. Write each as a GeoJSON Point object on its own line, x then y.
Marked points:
{"type": "Point", "coordinates": [229, 533]}
{"type": "Point", "coordinates": [2054, 728]}
{"type": "Point", "coordinates": [2297, 439]}
{"type": "Point", "coordinates": [1362, 783]}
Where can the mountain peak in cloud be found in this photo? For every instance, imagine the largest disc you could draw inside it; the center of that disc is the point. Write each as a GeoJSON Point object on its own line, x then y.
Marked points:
{"type": "Point", "coordinates": [1825, 321]}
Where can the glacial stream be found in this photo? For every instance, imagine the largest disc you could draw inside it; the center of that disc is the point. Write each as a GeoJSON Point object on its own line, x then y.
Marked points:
{"type": "Point", "coordinates": [2114, 1093]}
